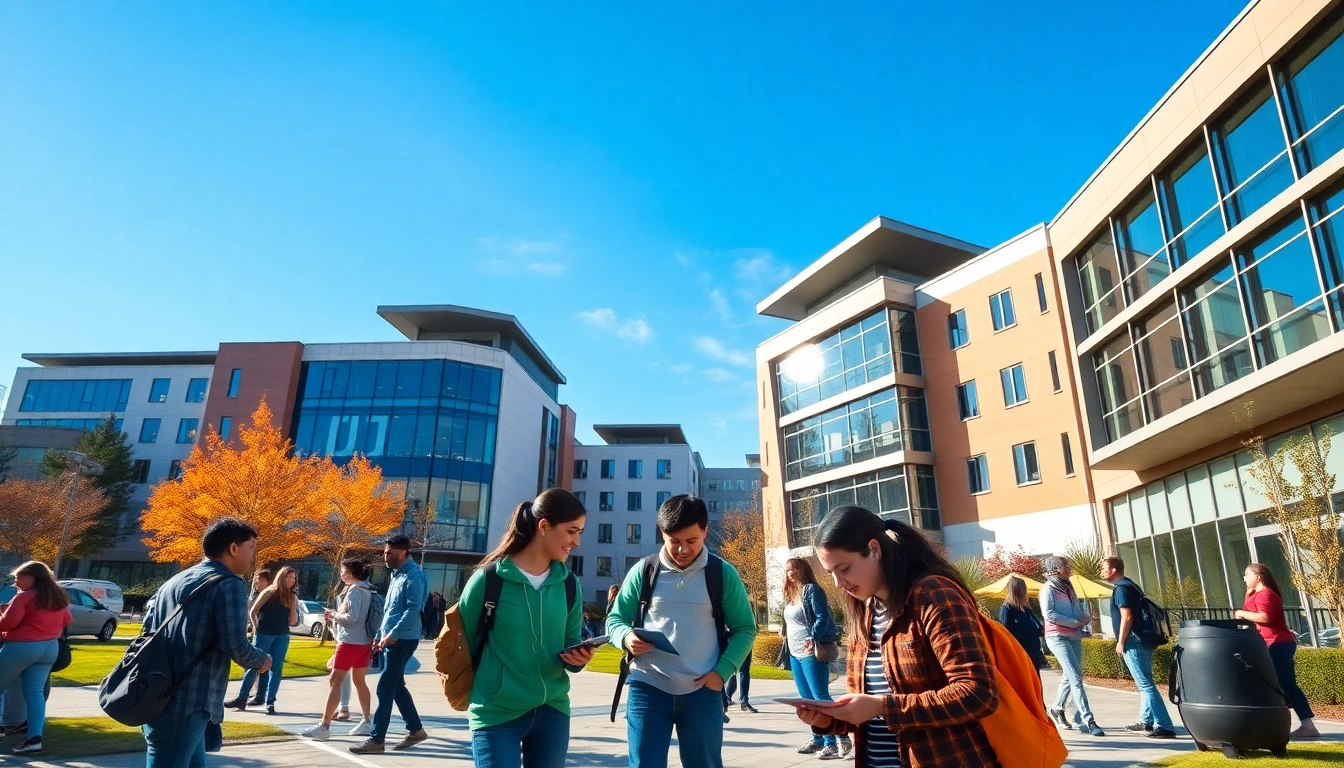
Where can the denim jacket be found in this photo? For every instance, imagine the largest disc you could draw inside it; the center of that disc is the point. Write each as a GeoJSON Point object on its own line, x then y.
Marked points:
{"type": "Point", "coordinates": [1065, 613]}
{"type": "Point", "coordinates": [822, 628]}
{"type": "Point", "coordinates": [405, 600]}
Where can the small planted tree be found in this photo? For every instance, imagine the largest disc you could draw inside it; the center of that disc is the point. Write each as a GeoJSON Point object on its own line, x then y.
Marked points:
{"type": "Point", "coordinates": [742, 543]}
{"type": "Point", "coordinates": [34, 512]}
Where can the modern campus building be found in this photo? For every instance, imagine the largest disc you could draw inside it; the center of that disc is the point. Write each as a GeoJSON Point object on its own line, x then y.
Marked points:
{"type": "Point", "coordinates": [1090, 376]}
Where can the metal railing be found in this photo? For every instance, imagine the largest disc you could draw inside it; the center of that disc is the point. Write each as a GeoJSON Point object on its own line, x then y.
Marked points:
{"type": "Point", "coordinates": [1326, 635]}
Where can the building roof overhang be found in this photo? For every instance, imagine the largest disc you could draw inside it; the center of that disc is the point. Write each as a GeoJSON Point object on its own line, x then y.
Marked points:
{"type": "Point", "coordinates": [617, 433]}
{"type": "Point", "coordinates": [76, 359]}
{"type": "Point", "coordinates": [414, 321]}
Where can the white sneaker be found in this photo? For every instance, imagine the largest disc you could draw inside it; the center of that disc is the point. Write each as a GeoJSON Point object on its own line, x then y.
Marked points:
{"type": "Point", "coordinates": [363, 729]}
{"type": "Point", "coordinates": [318, 732]}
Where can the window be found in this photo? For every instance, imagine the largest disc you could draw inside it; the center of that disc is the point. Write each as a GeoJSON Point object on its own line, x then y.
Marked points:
{"type": "Point", "coordinates": [633, 534]}
{"type": "Point", "coordinates": [634, 501]}
{"type": "Point", "coordinates": [663, 496]}
{"type": "Point", "coordinates": [604, 533]}
{"type": "Point", "coordinates": [604, 566]}
{"type": "Point", "coordinates": [1250, 155]}
{"type": "Point", "coordinates": [186, 430]}
{"type": "Point", "coordinates": [175, 470]}
{"type": "Point", "coordinates": [977, 473]}
{"type": "Point", "coordinates": [1284, 295]}
{"type": "Point", "coordinates": [1040, 293]}
{"type": "Point", "coordinates": [576, 564]}
{"type": "Point", "coordinates": [886, 422]}
{"type": "Point", "coordinates": [713, 506]}
{"type": "Point", "coordinates": [1001, 310]}
{"type": "Point", "coordinates": [551, 426]}
{"type": "Point", "coordinates": [149, 430]}
{"type": "Point", "coordinates": [84, 424]}
{"type": "Point", "coordinates": [235, 379]}
{"type": "Point", "coordinates": [1191, 218]}
{"type": "Point", "coordinates": [664, 469]}
{"type": "Point", "coordinates": [958, 335]}
{"type": "Point", "coordinates": [196, 390]}
{"type": "Point", "coordinates": [158, 391]}
{"type": "Point", "coordinates": [636, 469]}
{"type": "Point", "coordinates": [606, 501]}
{"type": "Point", "coordinates": [1142, 246]}
{"type": "Point", "coordinates": [1054, 372]}
{"type": "Point", "coordinates": [608, 469]}
{"type": "Point", "coordinates": [1311, 81]}
{"type": "Point", "coordinates": [580, 469]}
{"type": "Point", "coordinates": [1098, 266]}
{"type": "Point", "coordinates": [968, 401]}
{"type": "Point", "coordinates": [713, 484]}
{"type": "Point", "coordinates": [582, 496]}
{"type": "Point", "coordinates": [632, 562]}
{"type": "Point", "coordinates": [1025, 464]}
{"type": "Point", "coordinates": [1014, 385]}
{"type": "Point", "coordinates": [849, 358]}
{"type": "Point", "coordinates": [101, 395]}
{"type": "Point", "coordinates": [140, 471]}
{"type": "Point", "coordinates": [884, 492]}
{"type": "Point", "coordinates": [225, 424]}
{"type": "Point", "coordinates": [1068, 453]}
{"type": "Point", "coordinates": [1215, 329]}
{"type": "Point", "coordinates": [755, 485]}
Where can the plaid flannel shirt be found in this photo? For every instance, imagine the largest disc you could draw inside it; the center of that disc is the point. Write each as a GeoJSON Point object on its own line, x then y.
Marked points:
{"type": "Point", "coordinates": [937, 663]}
{"type": "Point", "coordinates": [219, 615]}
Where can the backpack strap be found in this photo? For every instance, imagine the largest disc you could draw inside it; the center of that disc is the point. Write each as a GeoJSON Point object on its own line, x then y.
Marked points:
{"type": "Point", "coordinates": [209, 584]}
{"type": "Point", "coordinates": [494, 584]}
{"type": "Point", "coordinates": [648, 578]}
{"type": "Point", "coordinates": [714, 585]}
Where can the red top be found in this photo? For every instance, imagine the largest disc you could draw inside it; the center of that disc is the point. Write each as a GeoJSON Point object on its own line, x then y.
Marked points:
{"type": "Point", "coordinates": [1268, 603]}
{"type": "Point", "coordinates": [21, 621]}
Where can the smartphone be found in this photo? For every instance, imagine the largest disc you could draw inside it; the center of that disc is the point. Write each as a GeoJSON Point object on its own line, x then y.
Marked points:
{"type": "Point", "coordinates": [592, 642]}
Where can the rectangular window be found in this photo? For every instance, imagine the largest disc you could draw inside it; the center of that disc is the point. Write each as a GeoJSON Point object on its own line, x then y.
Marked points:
{"type": "Point", "coordinates": [663, 496]}
{"type": "Point", "coordinates": [604, 533]}
{"type": "Point", "coordinates": [968, 401]}
{"type": "Point", "coordinates": [634, 501]}
{"type": "Point", "coordinates": [632, 562]}
{"type": "Point", "coordinates": [186, 430]}
{"type": "Point", "coordinates": [958, 335]}
{"type": "Point", "coordinates": [664, 469]}
{"type": "Point", "coordinates": [580, 469]}
{"type": "Point", "coordinates": [1191, 215]}
{"type": "Point", "coordinates": [606, 501]}
{"type": "Point", "coordinates": [235, 379]}
{"type": "Point", "coordinates": [1311, 81]}
{"type": "Point", "coordinates": [636, 469]}
{"type": "Point", "coordinates": [977, 473]}
{"type": "Point", "coordinates": [86, 395]}
{"type": "Point", "coordinates": [149, 430]}
{"type": "Point", "coordinates": [140, 471]}
{"type": "Point", "coordinates": [1040, 293]}
{"type": "Point", "coordinates": [633, 533]}
{"type": "Point", "coordinates": [849, 358]}
{"type": "Point", "coordinates": [225, 425]}
{"type": "Point", "coordinates": [713, 484]}
{"type": "Point", "coordinates": [196, 390]}
{"type": "Point", "coordinates": [582, 496]}
{"type": "Point", "coordinates": [1098, 266]}
{"type": "Point", "coordinates": [1054, 372]}
{"type": "Point", "coordinates": [878, 425]}
{"type": "Point", "coordinates": [713, 506]}
{"type": "Point", "coordinates": [576, 564]}
{"type": "Point", "coordinates": [1014, 385]}
{"type": "Point", "coordinates": [755, 485]}
{"type": "Point", "coordinates": [1001, 310]}
{"type": "Point", "coordinates": [1251, 155]}
{"type": "Point", "coordinates": [158, 391]}
{"type": "Point", "coordinates": [608, 469]}
{"type": "Point", "coordinates": [1025, 464]}
{"type": "Point", "coordinates": [604, 566]}
{"type": "Point", "coordinates": [175, 470]}
{"type": "Point", "coordinates": [1068, 453]}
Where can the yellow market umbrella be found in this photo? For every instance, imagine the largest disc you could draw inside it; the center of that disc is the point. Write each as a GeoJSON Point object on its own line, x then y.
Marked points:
{"type": "Point", "coordinates": [1000, 587]}
{"type": "Point", "coordinates": [1089, 589]}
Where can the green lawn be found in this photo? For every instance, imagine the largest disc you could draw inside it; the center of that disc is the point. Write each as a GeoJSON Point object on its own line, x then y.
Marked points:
{"type": "Point", "coordinates": [1300, 755]}
{"type": "Point", "coordinates": [65, 737]}
{"type": "Point", "coordinates": [608, 660]}
{"type": "Point", "coordinates": [90, 660]}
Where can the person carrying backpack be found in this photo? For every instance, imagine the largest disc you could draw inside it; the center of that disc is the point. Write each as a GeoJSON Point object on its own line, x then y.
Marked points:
{"type": "Point", "coordinates": [680, 591]}
{"type": "Point", "coordinates": [1136, 637]}
{"type": "Point", "coordinates": [355, 626]}
{"type": "Point", "coordinates": [520, 694]}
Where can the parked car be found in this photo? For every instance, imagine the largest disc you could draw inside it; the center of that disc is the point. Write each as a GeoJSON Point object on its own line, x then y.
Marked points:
{"type": "Point", "coordinates": [312, 621]}
{"type": "Point", "coordinates": [106, 592]}
{"type": "Point", "coordinates": [87, 615]}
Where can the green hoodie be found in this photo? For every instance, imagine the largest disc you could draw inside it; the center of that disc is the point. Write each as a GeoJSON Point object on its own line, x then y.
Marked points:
{"type": "Point", "coordinates": [520, 666]}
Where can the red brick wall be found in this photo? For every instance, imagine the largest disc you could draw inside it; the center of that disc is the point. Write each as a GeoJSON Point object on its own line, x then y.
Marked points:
{"type": "Point", "coordinates": [269, 369]}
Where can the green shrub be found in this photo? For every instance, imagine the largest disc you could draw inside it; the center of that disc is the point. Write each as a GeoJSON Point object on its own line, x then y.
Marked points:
{"type": "Point", "coordinates": [1320, 674]}
{"type": "Point", "coordinates": [766, 649]}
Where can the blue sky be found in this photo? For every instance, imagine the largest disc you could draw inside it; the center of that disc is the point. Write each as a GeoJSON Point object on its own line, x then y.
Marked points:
{"type": "Point", "coordinates": [628, 180]}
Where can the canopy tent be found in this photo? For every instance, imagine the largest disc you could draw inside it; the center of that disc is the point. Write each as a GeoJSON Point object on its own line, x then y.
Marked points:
{"type": "Point", "coordinates": [1086, 588]}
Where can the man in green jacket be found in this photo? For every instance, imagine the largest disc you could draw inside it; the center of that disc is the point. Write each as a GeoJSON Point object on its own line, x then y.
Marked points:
{"type": "Point", "coordinates": [682, 689]}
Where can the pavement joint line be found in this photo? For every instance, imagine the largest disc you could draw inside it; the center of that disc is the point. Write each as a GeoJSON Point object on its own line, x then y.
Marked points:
{"type": "Point", "coordinates": [334, 751]}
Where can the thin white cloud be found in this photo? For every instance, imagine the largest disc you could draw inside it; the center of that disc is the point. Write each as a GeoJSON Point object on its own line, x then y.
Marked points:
{"type": "Point", "coordinates": [680, 368]}
{"type": "Point", "coordinates": [720, 304]}
{"type": "Point", "coordinates": [630, 329]}
{"type": "Point", "coordinates": [719, 374]}
{"type": "Point", "coordinates": [759, 266]}
{"type": "Point", "coordinates": [514, 256]}
{"type": "Point", "coordinates": [717, 350]}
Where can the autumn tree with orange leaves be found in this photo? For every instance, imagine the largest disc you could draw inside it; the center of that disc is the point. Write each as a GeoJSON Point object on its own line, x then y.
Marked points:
{"type": "Point", "coordinates": [32, 513]}
{"type": "Point", "coordinates": [360, 510]}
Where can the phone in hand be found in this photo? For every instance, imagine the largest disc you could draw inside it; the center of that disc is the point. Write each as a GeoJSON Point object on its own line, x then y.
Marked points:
{"type": "Point", "coordinates": [592, 642]}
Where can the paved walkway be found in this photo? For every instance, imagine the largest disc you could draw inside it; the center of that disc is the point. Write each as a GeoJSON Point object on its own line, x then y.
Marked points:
{"type": "Point", "coordinates": [768, 738]}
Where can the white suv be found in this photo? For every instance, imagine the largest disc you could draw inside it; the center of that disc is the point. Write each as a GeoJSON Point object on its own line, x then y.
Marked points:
{"type": "Point", "coordinates": [105, 592]}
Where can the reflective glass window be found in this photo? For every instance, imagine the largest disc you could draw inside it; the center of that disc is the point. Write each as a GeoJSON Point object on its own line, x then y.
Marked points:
{"type": "Point", "coordinates": [1201, 494]}
{"type": "Point", "coordinates": [635, 470]}
{"type": "Point", "coordinates": [225, 426]}
{"type": "Point", "coordinates": [580, 469]}
{"type": "Point", "coordinates": [1327, 230]}
{"type": "Point", "coordinates": [884, 492]}
{"type": "Point", "coordinates": [977, 473]}
{"type": "Point", "coordinates": [1226, 492]}
{"type": "Point", "coordinates": [1190, 211]}
{"type": "Point", "coordinates": [186, 430]}
{"type": "Point", "coordinates": [603, 566]}
{"type": "Point", "coordinates": [1118, 386]}
{"type": "Point", "coordinates": [1120, 519]}
{"type": "Point", "coordinates": [1067, 447]}
{"type": "Point", "coordinates": [1040, 293]}
{"type": "Point", "coordinates": [1313, 82]}
{"type": "Point", "coordinates": [1284, 295]}
{"type": "Point", "coordinates": [1028, 469]}
{"type": "Point", "coordinates": [633, 533]}
{"type": "Point", "coordinates": [1251, 156]}
{"type": "Point", "coordinates": [149, 430]}
{"type": "Point", "coordinates": [196, 390]}
{"type": "Point", "coordinates": [140, 471]}
{"type": "Point", "coordinates": [907, 342]}
{"type": "Point", "coordinates": [1166, 382]}
{"type": "Point", "coordinates": [102, 395]}
{"type": "Point", "coordinates": [1054, 372]}
{"type": "Point", "coordinates": [1138, 509]}
{"type": "Point", "coordinates": [849, 358]}
{"type": "Point", "coordinates": [925, 492]}
{"type": "Point", "coordinates": [968, 401]}
{"type": "Point", "coordinates": [1001, 310]}
{"type": "Point", "coordinates": [664, 469]}
{"type": "Point", "coordinates": [662, 497]}
{"type": "Point", "coordinates": [604, 533]}
{"type": "Point", "coordinates": [235, 378]}
{"type": "Point", "coordinates": [1216, 330]}
{"type": "Point", "coordinates": [1187, 565]}
{"type": "Point", "coordinates": [1014, 382]}
{"type": "Point", "coordinates": [1236, 552]}
{"type": "Point", "coordinates": [608, 469]}
{"type": "Point", "coordinates": [958, 334]}
{"type": "Point", "coordinates": [852, 433]}
{"type": "Point", "coordinates": [634, 501]}
{"type": "Point", "coordinates": [606, 501]}
{"type": "Point", "coordinates": [1178, 503]}
{"type": "Point", "coordinates": [1211, 569]}
{"type": "Point", "coordinates": [1156, 495]}
{"type": "Point", "coordinates": [1099, 278]}
{"type": "Point", "coordinates": [1145, 254]}
{"type": "Point", "coordinates": [158, 390]}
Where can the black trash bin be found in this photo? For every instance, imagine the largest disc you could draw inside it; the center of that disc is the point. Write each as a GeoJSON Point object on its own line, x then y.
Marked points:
{"type": "Point", "coordinates": [1224, 683]}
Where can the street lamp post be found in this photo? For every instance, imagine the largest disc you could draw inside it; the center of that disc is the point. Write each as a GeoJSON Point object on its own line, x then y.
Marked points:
{"type": "Point", "coordinates": [78, 464]}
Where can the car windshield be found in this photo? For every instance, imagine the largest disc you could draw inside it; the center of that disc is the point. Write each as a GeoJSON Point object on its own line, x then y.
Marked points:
{"type": "Point", "coordinates": [311, 606]}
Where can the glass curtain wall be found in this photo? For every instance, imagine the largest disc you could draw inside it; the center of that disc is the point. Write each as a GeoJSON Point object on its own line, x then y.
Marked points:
{"type": "Point", "coordinates": [849, 358]}
{"type": "Point", "coordinates": [892, 420]}
{"type": "Point", "coordinates": [904, 493]}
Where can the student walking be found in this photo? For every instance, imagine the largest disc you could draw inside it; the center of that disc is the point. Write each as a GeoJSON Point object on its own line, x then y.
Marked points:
{"type": "Point", "coordinates": [262, 579]}
{"type": "Point", "coordinates": [31, 624]}
{"type": "Point", "coordinates": [740, 680]}
{"type": "Point", "coordinates": [1264, 607]}
{"type": "Point", "coordinates": [1065, 617]}
{"type": "Point", "coordinates": [519, 712]}
{"type": "Point", "coordinates": [1022, 624]}
{"type": "Point", "coordinates": [397, 640]}
{"type": "Point", "coordinates": [353, 644]}
{"type": "Point", "coordinates": [1126, 601]}
{"type": "Point", "coordinates": [272, 614]}
{"type": "Point", "coordinates": [213, 629]}
{"type": "Point", "coordinates": [670, 592]}
{"type": "Point", "coordinates": [808, 628]}
{"type": "Point", "coordinates": [919, 671]}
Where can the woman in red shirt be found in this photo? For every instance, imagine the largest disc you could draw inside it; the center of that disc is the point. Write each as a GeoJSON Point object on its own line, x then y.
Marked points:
{"type": "Point", "coordinates": [31, 624]}
{"type": "Point", "coordinates": [1264, 607]}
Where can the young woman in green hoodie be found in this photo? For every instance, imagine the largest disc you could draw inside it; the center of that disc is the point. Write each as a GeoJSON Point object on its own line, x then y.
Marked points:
{"type": "Point", "coordinates": [520, 698]}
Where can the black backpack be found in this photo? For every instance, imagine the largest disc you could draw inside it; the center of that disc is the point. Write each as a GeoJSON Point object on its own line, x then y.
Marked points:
{"type": "Point", "coordinates": [494, 584]}
{"type": "Point", "coordinates": [713, 585]}
{"type": "Point", "coordinates": [1151, 624]}
{"type": "Point", "coordinates": [140, 686]}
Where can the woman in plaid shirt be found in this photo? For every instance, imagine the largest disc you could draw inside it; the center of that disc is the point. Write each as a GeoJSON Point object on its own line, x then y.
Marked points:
{"type": "Point", "coordinates": [919, 671]}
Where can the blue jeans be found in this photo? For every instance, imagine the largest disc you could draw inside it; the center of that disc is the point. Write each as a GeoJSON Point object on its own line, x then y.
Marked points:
{"type": "Point", "coordinates": [1152, 710]}
{"type": "Point", "coordinates": [744, 677]}
{"type": "Point", "coordinates": [277, 646]}
{"type": "Point", "coordinates": [1286, 670]}
{"type": "Point", "coordinates": [176, 742]}
{"type": "Point", "coordinates": [814, 682]}
{"type": "Point", "coordinates": [1069, 652]}
{"type": "Point", "coordinates": [24, 667]}
{"type": "Point", "coordinates": [540, 738]}
{"type": "Point", "coordinates": [651, 714]}
{"type": "Point", "coordinates": [392, 689]}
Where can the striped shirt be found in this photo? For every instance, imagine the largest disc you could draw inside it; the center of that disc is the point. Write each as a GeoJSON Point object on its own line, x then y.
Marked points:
{"type": "Point", "coordinates": [882, 747]}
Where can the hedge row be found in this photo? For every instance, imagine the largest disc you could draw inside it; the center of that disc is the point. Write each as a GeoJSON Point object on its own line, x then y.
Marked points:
{"type": "Point", "coordinates": [766, 649]}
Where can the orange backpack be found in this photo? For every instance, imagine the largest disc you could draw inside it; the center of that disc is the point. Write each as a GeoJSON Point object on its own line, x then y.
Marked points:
{"type": "Point", "coordinates": [1019, 730]}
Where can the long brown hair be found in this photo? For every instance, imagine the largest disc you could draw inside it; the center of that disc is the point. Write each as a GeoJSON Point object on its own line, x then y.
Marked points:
{"type": "Point", "coordinates": [1266, 577]}
{"type": "Point", "coordinates": [283, 590]}
{"type": "Point", "coordinates": [50, 596]}
{"type": "Point", "coordinates": [555, 505]}
{"type": "Point", "coordinates": [907, 557]}
{"type": "Point", "coordinates": [1017, 593]}
{"type": "Point", "coordinates": [793, 591]}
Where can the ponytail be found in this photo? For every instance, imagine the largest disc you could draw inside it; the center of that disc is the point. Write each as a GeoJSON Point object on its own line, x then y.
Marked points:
{"type": "Point", "coordinates": [555, 506]}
